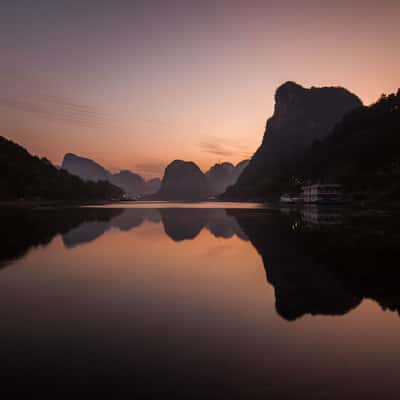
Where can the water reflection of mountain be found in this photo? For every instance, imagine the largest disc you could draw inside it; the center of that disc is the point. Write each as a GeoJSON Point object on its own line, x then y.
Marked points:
{"type": "Point", "coordinates": [125, 220]}
{"type": "Point", "coordinates": [132, 218]}
{"type": "Point", "coordinates": [22, 229]}
{"type": "Point", "coordinates": [179, 224]}
{"type": "Point", "coordinates": [184, 223]}
{"type": "Point", "coordinates": [326, 271]}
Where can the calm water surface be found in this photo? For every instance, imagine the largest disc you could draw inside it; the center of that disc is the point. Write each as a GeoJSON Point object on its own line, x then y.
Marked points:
{"type": "Point", "coordinates": [207, 302]}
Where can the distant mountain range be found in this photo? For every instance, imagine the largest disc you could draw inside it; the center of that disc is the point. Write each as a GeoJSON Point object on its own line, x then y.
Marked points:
{"type": "Point", "coordinates": [182, 179]}
{"type": "Point", "coordinates": [23, 176]}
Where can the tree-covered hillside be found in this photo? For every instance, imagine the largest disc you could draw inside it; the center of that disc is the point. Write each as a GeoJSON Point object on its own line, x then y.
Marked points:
{"type": "Point", "coordinates": [362, 152]}
{"type": "Point", "coordinates": [23, 176]}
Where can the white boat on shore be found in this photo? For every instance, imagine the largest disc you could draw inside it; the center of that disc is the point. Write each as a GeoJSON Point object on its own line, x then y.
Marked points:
{"type": "Point", "coordinates": [316, 194]}
{"type": "Point", "coordinates": [322, 194]}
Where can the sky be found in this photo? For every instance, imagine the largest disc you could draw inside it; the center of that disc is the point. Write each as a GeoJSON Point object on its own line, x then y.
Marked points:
{"type": "Point", "coordinates": [137, 84]}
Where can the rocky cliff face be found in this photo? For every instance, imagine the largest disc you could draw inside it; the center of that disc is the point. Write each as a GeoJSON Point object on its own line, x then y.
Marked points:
{"type": "Point", "coordinates": [183, 180]}
{"type": "Point", "coordinates": [301, 116]}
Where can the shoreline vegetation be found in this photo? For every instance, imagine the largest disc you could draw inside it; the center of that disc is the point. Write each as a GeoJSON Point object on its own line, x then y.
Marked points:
{"type": "Point", "coordinates": [27, 177]}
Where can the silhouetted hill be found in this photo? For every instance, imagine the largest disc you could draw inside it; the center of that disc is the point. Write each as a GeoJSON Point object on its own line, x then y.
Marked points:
{"type": "Point", "coordinates": [301, 116]}
{"type": "Point", "coordinates": [85, 168]}
{"type": "Point", "coordinates": [132, 184]}
{"type": "Point", "coordinates": [220, 176]}
{"type": "Point", "coordinates": [25, 176]}
{"type": "Point", "coordinates": [183, 180]}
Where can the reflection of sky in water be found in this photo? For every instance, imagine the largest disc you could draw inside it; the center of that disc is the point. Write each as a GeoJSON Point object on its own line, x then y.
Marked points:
{"type": "Point", "coordinates": [170, 204]}
{"type": "Point", "coordinates": [186, 292]}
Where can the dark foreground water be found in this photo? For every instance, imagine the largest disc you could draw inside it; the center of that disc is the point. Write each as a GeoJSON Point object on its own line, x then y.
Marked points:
{"type": "Point", "coordinates": [200, 302]}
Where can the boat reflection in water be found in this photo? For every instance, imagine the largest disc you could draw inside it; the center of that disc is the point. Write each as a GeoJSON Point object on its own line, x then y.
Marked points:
{"type": "Point", "coordinates": [315, 215]}
{"type": "Point", "coordinates": [195, 302]}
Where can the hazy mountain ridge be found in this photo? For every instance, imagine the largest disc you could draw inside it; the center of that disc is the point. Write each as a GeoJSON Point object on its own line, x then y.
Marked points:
{"type": "Point", "coordinates": [218, 177]}
{"type": "Point", "coordinates": [222, 175]}
{"type": "Point", "coordinates": [152, 186]}
{"type": "Point", "coordinates": [131, 183]}
{"type": "Point", "coordinates": [85, 168]}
